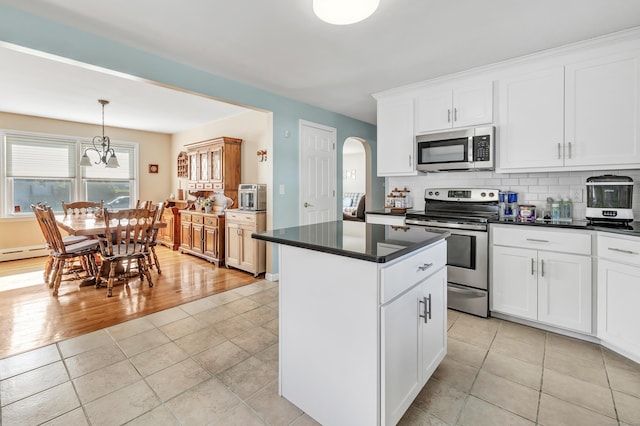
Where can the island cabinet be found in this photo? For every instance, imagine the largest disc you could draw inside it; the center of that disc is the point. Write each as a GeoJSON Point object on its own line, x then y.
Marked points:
{"type": "Point", "coordinates": [242, 251]}
{"type": "Point", "coordinates": [202, 235]}
{"type": "Point", "coordinates": [619, 293]}
{"type": "Point", "coordinates": [542, 275]}
{"type": "Point", "coordinates": [360, 335]}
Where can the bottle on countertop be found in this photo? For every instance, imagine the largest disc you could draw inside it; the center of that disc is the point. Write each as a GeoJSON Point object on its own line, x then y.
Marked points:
{"type": "Point", "coordinates": [555, 210]}
{"type": "Point", "coordinates": [566, 208]}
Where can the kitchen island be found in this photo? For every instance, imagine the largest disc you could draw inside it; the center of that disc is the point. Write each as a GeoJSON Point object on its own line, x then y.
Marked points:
{"type": "Point", "coordinates": [362, 318]}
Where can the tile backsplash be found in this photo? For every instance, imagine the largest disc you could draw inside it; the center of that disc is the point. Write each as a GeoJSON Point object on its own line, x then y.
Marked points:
{"type": "Point", "coordinates": [532, 188]}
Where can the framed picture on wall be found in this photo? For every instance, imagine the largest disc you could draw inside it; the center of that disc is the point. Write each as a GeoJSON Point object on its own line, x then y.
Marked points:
{"type": "Point", "coordinates": [153, 168]}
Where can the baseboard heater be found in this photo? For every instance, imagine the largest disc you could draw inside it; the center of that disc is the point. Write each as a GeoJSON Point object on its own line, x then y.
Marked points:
{"type": "Point", "coordinates": [17, 253]}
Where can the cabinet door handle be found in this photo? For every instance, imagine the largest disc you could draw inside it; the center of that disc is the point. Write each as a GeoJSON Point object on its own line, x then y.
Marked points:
{"type": "Point", "coordinates": [425, 266]}
{"type": "Point", "coordinates": [455, 114]}
{"type": "Point", "coordinates": [535, 240]}
{"type": "Point", "coordinates": [448, 116]}
{"type": "Point", "coordinates": [426, 301]}
{"type": "Point", "coordinates": [559, 153]}
{"type": "Point", "coordinates": [532, 270]}
{"type": "Point", "coordinates": [429, 300]}
{"type": "Point", "coordinates": [569, 149]}
{"type": "Point", "coordinates": [541, 268]}
{"type": "Point", "coordinates": [622, 251]}
{"type": "Point", "coordinates": [410, 163]}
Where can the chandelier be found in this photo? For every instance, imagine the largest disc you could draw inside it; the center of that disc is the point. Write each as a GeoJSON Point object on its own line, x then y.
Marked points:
{"type": "Point", "coordinates": [102, 146]}
{"type": "Point", "coordinates": [344, 12]}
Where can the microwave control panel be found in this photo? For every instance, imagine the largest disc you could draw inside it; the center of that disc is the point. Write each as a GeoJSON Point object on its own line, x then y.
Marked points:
{"type": "Point", "coordinates": [482, 148]}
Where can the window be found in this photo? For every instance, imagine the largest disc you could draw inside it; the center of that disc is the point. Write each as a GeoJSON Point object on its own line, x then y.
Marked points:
{"type": "Point", "coordinates": [45, 168]}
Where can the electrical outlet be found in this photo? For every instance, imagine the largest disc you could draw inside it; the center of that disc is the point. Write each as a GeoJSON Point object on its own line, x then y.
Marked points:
{"type": "Point", "coordinates": [576, 195]}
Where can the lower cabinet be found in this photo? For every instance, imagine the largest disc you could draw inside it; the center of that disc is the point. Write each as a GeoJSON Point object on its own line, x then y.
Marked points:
{"type": "Point", "coordinates": [242, 251]}
{"type": "Point", "coordinates": [413, 343]}
{"type": "Point", "coordinates": [202, 235]}
{"type": "Point", "coordinates": [551, 287]}
{"type": "Point", "coordinates": [618, 294]}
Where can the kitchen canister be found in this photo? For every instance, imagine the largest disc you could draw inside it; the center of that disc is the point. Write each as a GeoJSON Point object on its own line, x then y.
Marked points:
{"type": "Point", "coordinates": [527, 213]}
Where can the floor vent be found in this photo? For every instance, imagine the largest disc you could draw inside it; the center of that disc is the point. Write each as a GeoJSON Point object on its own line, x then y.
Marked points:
{"type": "Point", "coordinates": [22, 253]}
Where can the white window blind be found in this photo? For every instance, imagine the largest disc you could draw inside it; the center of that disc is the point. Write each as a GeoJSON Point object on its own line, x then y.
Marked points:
{"type": "Point", "coordinates": [35, 157]}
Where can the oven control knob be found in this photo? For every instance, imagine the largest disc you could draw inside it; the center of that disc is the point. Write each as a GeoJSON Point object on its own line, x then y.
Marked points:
{"type": "Point", "coordinates": [437, 192]}
{"type": "Point", "coordinates": [430, 192]}
{"type": "Point", "coordinates": [491, 194]}
{"type": "Point", "coordinates": [483, 194]}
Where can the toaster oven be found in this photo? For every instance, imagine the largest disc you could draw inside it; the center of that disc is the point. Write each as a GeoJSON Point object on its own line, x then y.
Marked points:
{"type": "Point", "coordinates": [252, 196]}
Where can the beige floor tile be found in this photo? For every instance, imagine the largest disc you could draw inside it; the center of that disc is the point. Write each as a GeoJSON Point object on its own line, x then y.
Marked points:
{"type": "Point", "coordinates": [273, 408]}
{"type": "Point", "coordinates": [513, 369]}
{"type": "Point", "coordinates": [590, 370]}
{"type": "Point", "coordinates": [506, 394]}
{"type": "Point", "coordinates": [587, 395]}
{"type": "Point", "coordinates": [452, 316]}
{"type": "Point", "coordinates": [130, 328]}
{"type": "Point", "coordinates": [532, 354]}
{"type": "Point", "coordinates": [200, 340]}
{"type": "Point", "coordinates": [247, 377]}
{"type": "Point", "coordinates": [72, 418]}
{"type": "Point", "coordinates": [522, 333]}
{"type": "Point", "coordinates": [183, 327]}
{"type": "Point", "coordinates": [574, 347]}
{"type": "Point", "coordinates": [248, 290]}
{"type": "Point", "coordinates": [556, 412]}
{"type": "Point", "coordinates": [143, 341]}
{"type": "Point", "coordinates": [255, 340]}
{"type": "Point", "coordinates": [628, 408]}
{"type": "Point", "coordinates": [233, 326]}
{"type": "Point", "coordinates": [200, 404]}
{"type": "Point", "coordinates": [167, 316]}
{"type": "Point", "coordinates": [84, 343]}
{"type": "Point", "coordinates": [273, 326]}
{"type": "Point", "coordinates": [471, 335]}
{"type": "Point", "coordinates": [158, 358]}
{"type": "Point", "coordinates": [487, 325]}
{"type": "Point", "coordinates": [260, 316]}
{"type": "Point", "coordinates": [416, 417]}
{"type": "Point", "coordinates": [239, 415]}
{"type": "Point", "coordinates": [160, 416]}
{"type": "Point", "coordinates": [441, 400]}
{"type": "Point", "coordinates": [269, 356]}
{"type": "Point", "coordinates": [456, 374]}
{"type": "Point", "coordinates": [106, 380]}
{"type": "Point", "coordinates": [176, 379]}
{"type": "Point", "coordinates": [32, 382]}
{"type": "Point", "coordinates": [613, 359]}
{"type": "Point", "coordinates": [224, 297]}
{"type": "Point", "coordinates": [274, 305]}
{"type": "Point", "coordinates": [221, 357]}
{"type": "Point", "coordinates": [243, 305]}
{"type": "Point", "coordinates": [123, 405]}
{"type": "Point", "coordinates": [624, 380]}
{"type": "Point", "coordinates": [197, 306]}
{"type": "Point", "coordinates": [92, 360]}
{"type": "Point", "coordinates": [477, 412]}
{"type": "Point", "coordinates": [465, 353]}
{"type": "Point", "coordinates": [41, 407]}
{"type": "Point", "coordinates": [18, 364]}
{"type": "Point", "coordinates": [215, 314]}
{"type": "Point", "coordinates": [264, 297]}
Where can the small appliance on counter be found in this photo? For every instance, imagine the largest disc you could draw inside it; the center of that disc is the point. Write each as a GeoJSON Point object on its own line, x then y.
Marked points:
{"type": "Point", "coordinates": [609, 199]}
{"type": "Point", "coordinates": [252, 196]}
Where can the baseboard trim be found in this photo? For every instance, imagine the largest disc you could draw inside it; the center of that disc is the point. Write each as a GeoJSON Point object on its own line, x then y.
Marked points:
{"type": "Point", "coordinates": [271, 277]}
{"type": "Point", "coordinates": [17, 253]}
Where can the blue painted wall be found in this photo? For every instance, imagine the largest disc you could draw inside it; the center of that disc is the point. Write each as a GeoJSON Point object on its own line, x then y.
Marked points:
{"type": "Point", "coordinates": [40, 34]}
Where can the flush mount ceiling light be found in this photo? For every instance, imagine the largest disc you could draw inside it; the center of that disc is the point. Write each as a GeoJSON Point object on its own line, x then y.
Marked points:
{"type": "Point", "coordinates": [106, 154]}
{"type": "Point", "coordinates": [344, 12]}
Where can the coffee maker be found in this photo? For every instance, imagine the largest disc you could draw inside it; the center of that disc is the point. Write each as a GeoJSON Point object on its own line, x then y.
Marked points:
{"type": "Point", "coordinates": [609, 199]}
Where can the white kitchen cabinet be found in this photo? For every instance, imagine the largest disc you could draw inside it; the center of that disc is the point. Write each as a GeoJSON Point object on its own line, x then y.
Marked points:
{"type": "Point", "coordinates": [445, 108]}
{"type": "Point", "coordinates": [531, 130]}
{"type": "Point", "coordinates": [542, 275]}
{"type": "Point", "coordinates": [242, 251]}
{"type": "Point", "coordinates": [618, 293]}
{"type": "Point", "coordinates": [395, 145]}
{"type": "Point", "coordinates": [602, 111]}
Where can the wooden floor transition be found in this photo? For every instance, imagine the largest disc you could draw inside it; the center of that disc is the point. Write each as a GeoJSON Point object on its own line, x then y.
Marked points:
{"type": "Point", "coordinates": [30, 317]}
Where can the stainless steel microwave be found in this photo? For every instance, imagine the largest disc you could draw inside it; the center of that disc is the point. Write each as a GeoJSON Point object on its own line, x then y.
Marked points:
{"type": "Point", "coordinates": [464, 149]}
{"type": "Point", "coordinates": [252, 196]}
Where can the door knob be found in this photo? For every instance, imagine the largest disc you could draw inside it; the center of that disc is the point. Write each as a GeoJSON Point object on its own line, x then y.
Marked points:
{"type": "Point", "coordinates": [307, 204]}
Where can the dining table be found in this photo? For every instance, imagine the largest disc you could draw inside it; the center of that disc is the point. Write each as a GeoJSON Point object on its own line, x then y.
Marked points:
{"type": "Point", "coordinates": [87, 224]}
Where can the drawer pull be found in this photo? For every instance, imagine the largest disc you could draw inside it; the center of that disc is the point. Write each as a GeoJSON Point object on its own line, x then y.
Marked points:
{"type": "Point", "coordinates": [425, 267]}
{"type": "Point", "coordinates": [535, 240]}
{"type": "Point", "coordinates": [622, 251]}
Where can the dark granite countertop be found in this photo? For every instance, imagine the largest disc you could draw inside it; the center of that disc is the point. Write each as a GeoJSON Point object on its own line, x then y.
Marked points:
{"type": "Point", "coordinates": [633, 229]}
{"type": "Point", "coordinates": [359, 240]}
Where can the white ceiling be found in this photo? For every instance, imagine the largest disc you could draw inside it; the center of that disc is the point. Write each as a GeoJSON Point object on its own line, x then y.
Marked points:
{"type": "Point", "coordinates": [280, 46]}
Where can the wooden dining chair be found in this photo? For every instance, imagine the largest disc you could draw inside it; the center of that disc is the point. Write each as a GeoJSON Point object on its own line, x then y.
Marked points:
{"type": "Point", "coordinates": [62, 253]}
{"type": "Point", "coordinates": [125, 248]}
{"type": "Point", "coordinates": [81, 207]}
{"type": "Point", "coordinates": [142, 204]}
{"type": "Point", "coordinates": [159, 209]}
{"type": "Point", "coordinates": [66, 240]}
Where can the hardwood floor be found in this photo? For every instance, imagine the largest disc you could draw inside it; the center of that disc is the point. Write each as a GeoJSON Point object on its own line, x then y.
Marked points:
{"type": "Point", "coordinates": [30, 317]}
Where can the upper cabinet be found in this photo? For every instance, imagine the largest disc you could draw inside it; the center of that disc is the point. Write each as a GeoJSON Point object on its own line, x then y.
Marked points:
{"type": "Point", "coordinates": [395, 137]}
{"type": "Point", "coordinates": [580, 116]}
{"type": "Point", "coordinates": [446, 108]}
{"type": "Point", "coordinates": [214, 165]}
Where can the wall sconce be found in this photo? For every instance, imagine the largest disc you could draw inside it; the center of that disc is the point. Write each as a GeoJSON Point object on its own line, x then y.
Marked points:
{"type": "Point", "coordinates": [350, 174]}
{"type": "Point", "coordinates": [263, 155]}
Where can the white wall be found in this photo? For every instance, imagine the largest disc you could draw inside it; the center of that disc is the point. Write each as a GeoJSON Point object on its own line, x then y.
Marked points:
{"type": "Point", "coordinates": [532, 188]}
{"type": "Point", "coordinates": [354, 162]}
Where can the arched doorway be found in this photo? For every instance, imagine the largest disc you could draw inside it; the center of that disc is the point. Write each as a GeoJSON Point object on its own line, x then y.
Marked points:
{"type": "Point", "coordinates": [356, 178]}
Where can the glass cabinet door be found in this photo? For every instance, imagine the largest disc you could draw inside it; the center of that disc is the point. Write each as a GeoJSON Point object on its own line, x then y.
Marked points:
{"type": "Point", "coordinates": [204, 166]}
{"type": "Point", "coordinates": [193, 167]}
{"type": "Point", "coordinates": [216, 164]}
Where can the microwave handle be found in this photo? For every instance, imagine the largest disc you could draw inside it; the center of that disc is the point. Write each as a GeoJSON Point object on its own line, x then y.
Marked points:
{"type": "Point", "coordinates": [470, 150]}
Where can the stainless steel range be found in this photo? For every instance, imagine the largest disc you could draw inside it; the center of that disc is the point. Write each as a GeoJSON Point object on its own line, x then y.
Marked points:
{"type": "Point", "coordinates": [465, 213]}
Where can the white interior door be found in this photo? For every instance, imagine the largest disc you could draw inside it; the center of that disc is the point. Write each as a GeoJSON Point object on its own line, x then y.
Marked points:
{"type": "Point", "coordinates": [317, 173]}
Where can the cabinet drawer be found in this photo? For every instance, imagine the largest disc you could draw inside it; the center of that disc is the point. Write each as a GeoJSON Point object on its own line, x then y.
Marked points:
{"type": "Point", "coordinates": [549, 239]}
{"type": "Point", "coordinates": [403, 274]}
{"type": "Point", "coordinates": [246, 218]}
{"type": "Point", "coordinates": [191, 185]}
{"type": "Point", "coordinates": [196, 218]}
{"type": "Point", "coordinates": [218, 185]}
{"type": "Point", "coordinates": [211, 221]}
{"type": "Point", "coordinates": [619, 249]}
{"type": "Point", "coordinates": [185, 217]}
{"type": "Point", "coordinates": [208, 185]}
{"type": "Point", "coordinates": [199, 185]}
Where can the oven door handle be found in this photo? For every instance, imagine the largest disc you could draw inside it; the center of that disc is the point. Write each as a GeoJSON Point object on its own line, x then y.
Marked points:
{"type": "Point", "coordinates": [445, 225]}
{"type": "Point", "coordinates": [465, 290]}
